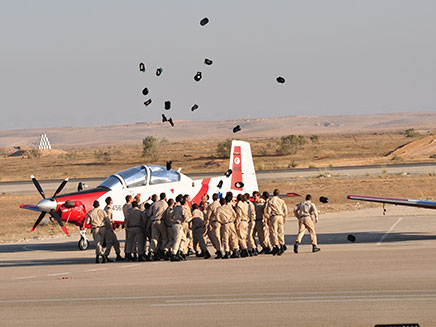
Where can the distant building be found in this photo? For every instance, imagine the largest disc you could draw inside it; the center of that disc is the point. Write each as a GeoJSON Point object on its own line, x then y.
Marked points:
{"type": "Point", "coordinates": [44, 143]}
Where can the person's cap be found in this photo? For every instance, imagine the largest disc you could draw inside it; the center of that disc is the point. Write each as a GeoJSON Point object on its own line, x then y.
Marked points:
{"type": "Point", "coordinates": [323, 199]}
{"type": "Point", "coordinates": [169, 163]}
{"type": "Point", "coordinates": [208, 62]}
{"type": "Point", "coordinates": [194, 107]}
{"type": "Point", "coordinates": [198, 76]}
{"type": "Point", "coordinates": [142, 67]}
{"type": "Point", "coordinates": [145, 91]}
{"type": "Point", "coordinates": [204, 21]}
{"type": "Point", "coordinates": [237, 128]}
{"type": "Point", "coordinates": [171, 122]}
{"type": "Point", "coordinates": [167, 105]}
{"type": "Point", "coordinates": [164, 118]}
{"type": "Point", "coordinates": [220, 184]}
{"type": "Point", "coordinates": [147, 102]}
{"type": "Point", "coordinates": [228, 173]}
{"type": "Point", "coordinates": [351, 238]}
{"type": "Point", "coordinates": [159, 71]}
{"type": "Point", "coordinates": [280, 80]}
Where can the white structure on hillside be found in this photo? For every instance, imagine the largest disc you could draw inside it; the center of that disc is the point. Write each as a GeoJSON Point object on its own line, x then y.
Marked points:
{"type": "Point", "coordinates": [44, 143]}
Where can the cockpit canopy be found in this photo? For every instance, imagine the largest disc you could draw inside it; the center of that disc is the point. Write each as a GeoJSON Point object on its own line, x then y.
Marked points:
{"type": "Point", "coordinates": [140, 176]}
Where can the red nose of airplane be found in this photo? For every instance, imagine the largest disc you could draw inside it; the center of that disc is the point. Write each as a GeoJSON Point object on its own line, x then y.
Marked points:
{"type": "Point", "coordinates": [47, 205]}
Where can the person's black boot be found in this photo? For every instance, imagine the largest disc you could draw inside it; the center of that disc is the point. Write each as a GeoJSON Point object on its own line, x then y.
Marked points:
{"type": "Point", "coordinates": [284, 247]}
{"type": "Point", "coordinates": [174, 258]}
{"type": "Point", "coordinates": [281, 250]}
{"type": "Point", "coordinates": [244, 253]}
{"type": "Point", "coordinates": [97, 259]}
{"type": "Point", "coordinates": [267, 250]}
{"type": "Point", "coordinates": [207, 254]}
{"type": "Point", "coordinates": [103, 259]}
{"type": "Point", "coordinates": [296, 247]}
{"type": "Point", "coordinates": [219, 255]}
{"type": "Point", "coordinates": [190, 251]}
{"type": "Point", "coordinates": [235, 254]}
{"type": "Point", "coordinates": [107, 259]}
{"type": "Point", "coordinates": [119, 257]}
{"type": "Point", "coordinates": [227, 255]}
{"type": "Point", "coordinates": [315, 248]}
{"type": "Point", "coordinates": [199, 254]}
{"type": "Point", "coordinates": [255, 252]}
{"type": "Point", "coordinates": [275, 250]}
{"type": "Point", "coordinates": [183, 256]}
{"type": "Point", "coordinates": [149, 256]}
{"type": "Point", "coordinates": [141, 257]}
{"type": "Point", "coordinates": [167, 255]}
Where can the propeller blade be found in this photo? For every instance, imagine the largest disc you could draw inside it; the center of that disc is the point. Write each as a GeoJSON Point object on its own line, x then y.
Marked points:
{"type": "Point", "coordinates": [61, 187]}
{"type": "Point", "coordinates": [41, 216]}
{"type": "Point", "coordinates": [38, 187]}
{"type": "Point", "coordinates": [58, 218]}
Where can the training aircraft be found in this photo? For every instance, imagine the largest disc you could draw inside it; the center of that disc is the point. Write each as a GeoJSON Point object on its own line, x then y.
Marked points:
{"type": "Point", "coordinates": [145, 180]}
{"type": "Point", "coordinates": [401, 202]}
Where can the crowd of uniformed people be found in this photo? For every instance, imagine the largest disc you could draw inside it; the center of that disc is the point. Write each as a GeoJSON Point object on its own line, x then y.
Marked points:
{"type": "Point", "coordinates": [173, 229]}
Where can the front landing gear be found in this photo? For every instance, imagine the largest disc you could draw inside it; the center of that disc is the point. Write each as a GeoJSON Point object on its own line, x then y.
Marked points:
{"type": "Point", "coordinates": [83, 243]}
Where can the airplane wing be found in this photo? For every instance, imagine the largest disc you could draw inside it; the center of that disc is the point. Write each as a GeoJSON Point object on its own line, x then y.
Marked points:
{"type": "Point", "coordinates": [401, 202]}
{"type": "Point", "coordinates": [30, 207]}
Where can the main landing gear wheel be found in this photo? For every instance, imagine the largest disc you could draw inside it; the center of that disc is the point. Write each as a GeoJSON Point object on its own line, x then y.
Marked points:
{"type": "Point", "coordinates": [83, 244]}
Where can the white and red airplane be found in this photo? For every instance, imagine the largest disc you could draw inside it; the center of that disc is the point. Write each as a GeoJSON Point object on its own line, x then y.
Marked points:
{"type": "Point", "coordinates": [401, 202]}
{"type": "Point", "coordinates": [145, 180]}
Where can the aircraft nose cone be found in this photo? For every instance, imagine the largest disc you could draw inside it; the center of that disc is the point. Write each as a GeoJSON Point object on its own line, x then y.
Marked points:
{"type": "Point", "coordinates": [47, 205]}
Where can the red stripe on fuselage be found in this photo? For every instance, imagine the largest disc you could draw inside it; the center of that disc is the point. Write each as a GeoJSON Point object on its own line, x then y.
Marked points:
{"type": "Point", "coordinates": [236, 168]}
{"type": "Point", "coordinates": [204, 189]}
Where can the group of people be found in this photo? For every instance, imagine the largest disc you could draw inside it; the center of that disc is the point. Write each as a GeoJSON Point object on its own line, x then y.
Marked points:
{"type": "Point", "coordinates": [173, 229]}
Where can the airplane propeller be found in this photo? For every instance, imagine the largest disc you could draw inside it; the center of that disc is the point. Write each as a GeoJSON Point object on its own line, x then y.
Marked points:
{"type": "Point", "coordinates": [48, 205]}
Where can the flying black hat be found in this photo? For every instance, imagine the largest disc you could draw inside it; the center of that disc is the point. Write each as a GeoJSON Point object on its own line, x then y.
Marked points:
{"type": "Point", "coordinates": [323, 199]}
{"type": "Point", "coordinates": [237, 128]}
{"type": "Point", "coordinates": [145, 91]}
{"type": "Point", "coordinates": [142, 67]}
{"type": "Point", "coordinates": [159, 71]}
{"type": "Point", "coordinates": [167, 105]}
{"type": "Point", "coordinates": [220, 184]}
{"type": "Point", "coordinates": [164, 118]}
{"type": "Point", "coordinates": [228, 173]}
{"type": "Point", "coordinates": [147, 102]}
{"type": "Point", "coordinates": [194, 107]}
{"type": "Point", "coordinates": [171, 122]}
{"type": "Point", "coordinates": [280, 80]}
{"type": "Point", "coordinates": [208, 62]}
{"type": "Point", "coordinates": [204, 21]}
{"type": "Point", "coordinates": [198, 76]}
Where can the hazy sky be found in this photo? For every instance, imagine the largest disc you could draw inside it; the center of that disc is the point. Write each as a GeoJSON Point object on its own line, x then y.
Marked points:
{"type": "Point", "coordinates": [66, 63]}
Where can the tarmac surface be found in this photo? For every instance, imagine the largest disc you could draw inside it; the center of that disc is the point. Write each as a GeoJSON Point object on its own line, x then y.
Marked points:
{"type": "Point", "coordinates": [387, 276]}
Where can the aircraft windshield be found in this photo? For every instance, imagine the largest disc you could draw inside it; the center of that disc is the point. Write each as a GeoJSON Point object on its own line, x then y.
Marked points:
{"type": "Point", "coordinates": [160, 175]}
{"type": "Point", "coordinates": [112, 182]}
{"type": "Point", "coordinates": [136, 176]}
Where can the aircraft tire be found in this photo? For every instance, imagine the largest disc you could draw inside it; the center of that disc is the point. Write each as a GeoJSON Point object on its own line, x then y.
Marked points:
{"type": "Point", "coordinates": [83, 244]}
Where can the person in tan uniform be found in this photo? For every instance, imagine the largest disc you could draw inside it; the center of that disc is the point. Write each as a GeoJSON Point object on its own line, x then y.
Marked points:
{"type": "Point", "coordinates": [135, 225]}
{"type": "Point", "coordinates": [169, 224]}
{"type": "Point", "coordinates": [226, 215]}
{"type": "Point", "coordinates": [304, 212]}
{"type": "Point", "coordinates": [126, 207]}
{"type": "Point", "coordinates": [261, 226]}
{"type": "Point", "coordinates": [276, 211]}
{"type": "Point", "coordinates": [110, 236]}
{"type": "Point", "coordinates": [181, 214]}
{"type": "Point", "coordinates": [252, 247]}
{"type": "Point", "coordinates": [214, 226]}
{"type": "Point", "coordinates": [97, 219]}
{"type": "Point", "coordinates": [199, 230]}
{"type": "Point", "coordinates": [158, 229]}
{"type": "Point", "coordinates": [188, 246]}
{"type": "Point", "coordinates": [241, 224]}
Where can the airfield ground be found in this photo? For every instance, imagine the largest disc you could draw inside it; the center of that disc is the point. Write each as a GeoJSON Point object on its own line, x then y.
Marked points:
{"type": "Point", "coordinates": [386, 276]}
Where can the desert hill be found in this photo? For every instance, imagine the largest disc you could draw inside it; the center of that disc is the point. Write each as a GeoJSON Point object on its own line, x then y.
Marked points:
{"type": "Point", "coordinates": [191, 130]}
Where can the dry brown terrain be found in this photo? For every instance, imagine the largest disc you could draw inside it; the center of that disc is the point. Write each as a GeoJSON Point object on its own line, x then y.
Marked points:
{"type": "Point", "coordinates": [15, 223]}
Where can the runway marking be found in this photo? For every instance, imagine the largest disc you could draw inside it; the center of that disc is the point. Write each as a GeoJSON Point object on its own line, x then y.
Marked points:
{"type": "Point", "coordinates": [59, 274]}
{"type": "Point", "coordinates": [313, 299]}
{"type": "Point", "coordinates": [128, 266]}
{"type": "Point", "coordinates": [27, 248]}
{"type": "Point", "coordinates": [25, 277]}
{"type": "Point", "coordinates": [95, 269]}
{"type": "Point", "coordinates": [390, 230]}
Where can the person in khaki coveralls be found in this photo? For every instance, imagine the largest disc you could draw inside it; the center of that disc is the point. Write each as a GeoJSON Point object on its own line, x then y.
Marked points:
{"type": "Point", "coordinates": [261, 227]}
{"type": "Point", "coordinates": [227, 216]}
{"type": "Point", "coordinates": [198, 231]}
{"type": "Point", "coordinates": [276, 211]}
{"type": "Point", "coordinates": [97, 219]}
{"type": "Point", "coordinates": [110, 236]}
{"type": "Point", "coordinates": [169, 224]}
{"type": "Point", "coordinates": [251, 243]}
{"type": "Point", "coordinates": [214, 226]}
{"type": "Point", "coordinates": [304, 212]}
{"type": "Point", "coordinates": [126, 207]}
{"type": "Point", "coordinates": [135, 225]}
{"type": "Point", "coordinates": [241, 224]}
{"type": "Point", "coordinates": [181, 214]}
{"type": "Point", "coordinates": [158, 229]}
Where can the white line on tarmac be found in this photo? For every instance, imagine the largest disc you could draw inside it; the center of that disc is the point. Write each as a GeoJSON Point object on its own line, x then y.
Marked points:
{"type": "Point", "coordinates": [25, 277]}
{"type": "Point", "coordinates": [128, 266]}
{"type": "Point", "coordinates": [390, 230]}
{"type": "Point", "coordinates": [59, 274]}
{"type": "Point", "coordinates": [151, 297]}
{"type": "Point", "coordinates": [96, 269]}
{"type": "Point", "coordinates": [297, 301]}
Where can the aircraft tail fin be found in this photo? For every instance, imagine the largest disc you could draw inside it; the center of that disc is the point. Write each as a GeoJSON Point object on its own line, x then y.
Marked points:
{"type": "Point", "coordinates": [243, 177]}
